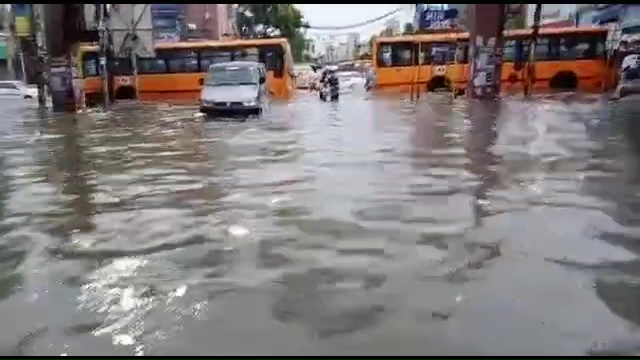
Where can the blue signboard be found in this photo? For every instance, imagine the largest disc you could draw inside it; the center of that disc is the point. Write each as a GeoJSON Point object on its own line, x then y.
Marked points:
{"type": "Point", "coordinates": [167, 9]}
{"type": "Point", "coordinates": [435, 17]}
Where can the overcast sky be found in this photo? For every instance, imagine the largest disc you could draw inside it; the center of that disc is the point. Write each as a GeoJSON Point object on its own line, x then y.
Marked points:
{"type": "Point", "coordinates": [345, 14]}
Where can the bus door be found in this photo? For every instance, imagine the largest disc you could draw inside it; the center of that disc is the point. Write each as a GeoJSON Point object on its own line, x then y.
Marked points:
{"type": "Point", "coordinates": [443, 55]}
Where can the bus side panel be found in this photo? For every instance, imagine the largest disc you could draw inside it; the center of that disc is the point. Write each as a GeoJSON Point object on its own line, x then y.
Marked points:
{"type": "Point", "coordinates": [590, 73]}
{"type": "Point", "coordinates": [395, 66]}
{"type": "Point", "coordinates": [279, 88]}
{"type": "Point", "coordinates": [289, 84]}
{"type": "Point", "coordinates": [457, 74]}
{"type": "Point", "coordinates": [93, 85]}
{"type": "Point", "coordinates": [173, 86]}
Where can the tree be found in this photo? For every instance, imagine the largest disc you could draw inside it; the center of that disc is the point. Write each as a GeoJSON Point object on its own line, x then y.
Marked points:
{"type": "Point", "coordinates": [515, 22]}
{"type": "Point", "coordinates": [408, 29]}
{"type": "Point", "coordinates": [298, 46]}
{"type": "Point", "coordinates": [284, 17]}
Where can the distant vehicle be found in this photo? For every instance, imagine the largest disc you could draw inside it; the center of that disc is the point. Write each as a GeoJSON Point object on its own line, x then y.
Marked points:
{"type": "Point", "coordinates": [234, 87]}
{"type": "Point", "coordinates": [349, 80]}
{"type": "Point", "coordinates": [304, 75]}
{"type": "Point", "coordinates": [15, 88]}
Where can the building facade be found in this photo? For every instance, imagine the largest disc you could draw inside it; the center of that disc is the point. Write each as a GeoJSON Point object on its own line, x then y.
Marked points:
{"type": "Point", "coordinates": [166, 20]}
{"type": "Point", "coordinates": [552, 14]}
{"type": "Point", "coordinates": [213, 21]}
{"type": "Point", "coordinates": [601, 14]}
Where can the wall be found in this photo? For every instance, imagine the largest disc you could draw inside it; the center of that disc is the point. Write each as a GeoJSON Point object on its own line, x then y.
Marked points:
{"type": "Point", "coordinates": [464, 11]}
{"type": "Point", "coordinates": [214, 20]}
{"type": "Point", "coordinates": [165, 19]}
{"type": "Point", "coordinates": [551, 12]}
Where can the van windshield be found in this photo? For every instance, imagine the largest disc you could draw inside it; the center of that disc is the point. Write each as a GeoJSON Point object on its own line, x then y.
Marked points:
{"type": "Point", "coordinates": [232, 76]}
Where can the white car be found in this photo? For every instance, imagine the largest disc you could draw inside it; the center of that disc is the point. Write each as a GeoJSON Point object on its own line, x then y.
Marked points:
{"type": "Point", "coordinates": [350, 80]}
{"type": "Point", "coordinates": [305, 76]}
{"type": "Point", "coordinates": [15, 89]}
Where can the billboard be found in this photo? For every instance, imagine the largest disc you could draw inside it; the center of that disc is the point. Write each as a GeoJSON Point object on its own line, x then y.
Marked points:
{"type": "Point", "coordinates": [22, 16]}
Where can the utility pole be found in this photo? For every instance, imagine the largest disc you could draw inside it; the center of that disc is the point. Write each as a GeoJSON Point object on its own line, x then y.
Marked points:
{"type": "Point", "coordinates": [38, 33]}
{"type": "Point", "coordinates": [531, 68]}
{"type": "Point", "coordinates": [11, 43]}
{"type": "Point", "coordinates": [104, 50]}
{"type": "Point", "coordinates": [132, 50]}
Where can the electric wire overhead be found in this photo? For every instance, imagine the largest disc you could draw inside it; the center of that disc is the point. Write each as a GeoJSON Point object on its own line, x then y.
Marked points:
{"type": "Point", "coordinates": [356, 25]}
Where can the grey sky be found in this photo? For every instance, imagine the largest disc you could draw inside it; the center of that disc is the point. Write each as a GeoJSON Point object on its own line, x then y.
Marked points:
{"type": "Point", "coordinates": [345, 14]}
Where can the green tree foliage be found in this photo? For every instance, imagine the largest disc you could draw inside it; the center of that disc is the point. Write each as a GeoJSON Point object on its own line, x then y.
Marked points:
{"type": "Point", "coordinates": [515, 22]}
{"type": "Point", "coordinates": [284, 17]}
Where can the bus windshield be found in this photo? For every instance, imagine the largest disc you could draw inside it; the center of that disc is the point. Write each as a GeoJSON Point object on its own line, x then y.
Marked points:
{"type": "Point", "coordinates": [229, 76]}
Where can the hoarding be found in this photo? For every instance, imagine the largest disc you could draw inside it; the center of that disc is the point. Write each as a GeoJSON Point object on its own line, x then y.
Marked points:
{"type": "Point", "coordinates": [22, 15]}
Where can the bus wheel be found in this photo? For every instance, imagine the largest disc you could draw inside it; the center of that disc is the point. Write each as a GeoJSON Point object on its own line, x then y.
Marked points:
{"type": "Point", "coordinates": [93, 99]}
{"type": "Point", "coordinates": [564, 80]}
{"type": "Point", "coordinates": [438, 83]}
{"type": "Point", "coordinates": [125, 93]}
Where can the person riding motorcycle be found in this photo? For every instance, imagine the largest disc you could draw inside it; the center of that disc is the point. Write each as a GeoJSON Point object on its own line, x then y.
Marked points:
{"type": "Point", "coordinates": [329, 85]}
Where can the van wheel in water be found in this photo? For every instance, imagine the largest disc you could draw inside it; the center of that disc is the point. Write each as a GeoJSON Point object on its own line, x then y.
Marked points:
{"type": "Point", "coordinates": [564, 80]}
{"type": "Point", "coordinates": [125, 93]}
{"type": "Point", "coordinates": [438, 83]}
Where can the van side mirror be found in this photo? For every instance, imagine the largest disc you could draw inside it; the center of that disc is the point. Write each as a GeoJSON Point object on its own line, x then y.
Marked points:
{"type": "Point", "coordinates": [262, 80]}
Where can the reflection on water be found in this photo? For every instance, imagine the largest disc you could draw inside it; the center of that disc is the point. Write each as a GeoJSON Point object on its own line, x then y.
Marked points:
{"type": "Point", "coordinates": [369, 226]}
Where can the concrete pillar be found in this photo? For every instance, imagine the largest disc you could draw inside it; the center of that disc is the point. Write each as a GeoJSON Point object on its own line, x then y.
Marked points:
{"type": "Point", "coordinates": [57, 43]}
{"type": "Point", "coordinates": [486, 22]}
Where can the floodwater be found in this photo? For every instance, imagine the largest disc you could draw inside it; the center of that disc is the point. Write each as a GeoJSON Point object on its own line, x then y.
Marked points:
{"type": "Point", "coordinates": [372, 226]}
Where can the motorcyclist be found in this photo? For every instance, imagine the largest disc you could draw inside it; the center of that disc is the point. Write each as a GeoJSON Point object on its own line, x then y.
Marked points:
{"type": "Point", "coordinates": [329, 81]}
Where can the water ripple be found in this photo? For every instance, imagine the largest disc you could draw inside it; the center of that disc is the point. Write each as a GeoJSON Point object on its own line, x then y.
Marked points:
{"type": "Point", "coordinates": [370, 226]}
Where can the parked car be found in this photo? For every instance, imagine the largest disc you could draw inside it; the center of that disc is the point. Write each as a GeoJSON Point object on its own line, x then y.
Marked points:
{"type": "Point", "coordinates": [15, 88]}
{"type": "Point", "coordinates": [305, 76]}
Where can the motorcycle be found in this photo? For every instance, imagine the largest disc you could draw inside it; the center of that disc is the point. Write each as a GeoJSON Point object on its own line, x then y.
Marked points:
{"type": "Point", "coordinates": [327, 94]}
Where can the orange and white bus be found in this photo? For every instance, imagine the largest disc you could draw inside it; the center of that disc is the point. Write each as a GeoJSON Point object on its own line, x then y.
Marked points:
{"type": "Point", "coordinates": [566, 58]}
{"type": "Point", "coordinates": [177, 71]}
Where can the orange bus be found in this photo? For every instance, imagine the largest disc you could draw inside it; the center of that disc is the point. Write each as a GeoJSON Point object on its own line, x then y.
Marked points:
{"type": "Point", "coordinates": [88, 62]}
{"type": "Point", "coordinates": [566, 58]}
{"type": "Point", "coordinates": [177, 72]}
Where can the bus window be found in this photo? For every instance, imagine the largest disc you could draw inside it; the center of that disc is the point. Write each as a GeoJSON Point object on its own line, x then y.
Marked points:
{"type": "Point", "coordinates": [181, 61]}
{"type": "Point", "coordinates": [247, 54]}
{"type": "Point", "coordinates": [582, 47]}
{"type": "Point", "coordinates": [395, 54]}
{"type": "Point", "coordinates": [462, 52]}
{"type": "Point", "coordinates": [152, 66]}
{"type": "Point", "coordinates": [90, 66]}
{"type": "Point", "coordinates": [214, 56]}
{"type": "Point", "coordinates": [546, 48]}
{"type": "Point", "coordinates": [273, 59]}
{"type": "Point", "coordinates": [120, 67]}
{"type": "Point", "coordinates": [440, 53]}
{"type": "Point", "coordinates": [509, 50]}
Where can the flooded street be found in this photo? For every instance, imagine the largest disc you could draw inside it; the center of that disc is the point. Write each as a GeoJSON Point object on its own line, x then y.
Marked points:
{"type": "Point", "coordinates": [372, 226]}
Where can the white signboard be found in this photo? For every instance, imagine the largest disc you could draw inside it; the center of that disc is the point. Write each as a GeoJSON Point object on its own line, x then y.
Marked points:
{"type": "Point", "coordinates": [440, 70]}
{"type": "Point", "coordinates": [132, 30]}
